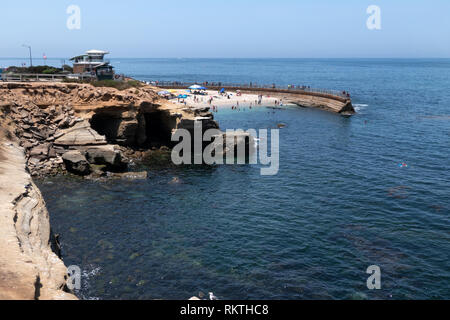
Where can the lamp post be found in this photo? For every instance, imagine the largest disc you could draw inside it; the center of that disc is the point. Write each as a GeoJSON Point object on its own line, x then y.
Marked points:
{"type": "Point", "coordinates": [31, 58]}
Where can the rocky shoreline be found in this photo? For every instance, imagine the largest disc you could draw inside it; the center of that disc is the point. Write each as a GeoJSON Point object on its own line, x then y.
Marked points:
{"type": "Point", "coordinates": [58, 128]}
{"type": "Point", "coordinates": [77, 127]}
{"type": "Point", "coordinates": [29, 270]}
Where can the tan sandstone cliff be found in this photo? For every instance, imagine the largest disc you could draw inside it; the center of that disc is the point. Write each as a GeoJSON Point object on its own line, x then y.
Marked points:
{"type": "Point", "coordinates": [28, 267]}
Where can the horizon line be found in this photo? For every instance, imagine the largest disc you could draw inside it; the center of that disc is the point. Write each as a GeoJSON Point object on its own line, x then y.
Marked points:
{"type": "Point", "coordinates": [181, 58]}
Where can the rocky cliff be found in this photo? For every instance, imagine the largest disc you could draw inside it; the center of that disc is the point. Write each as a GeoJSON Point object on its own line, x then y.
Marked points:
{"type": "Point", "coordinates": [28, 267]}
{"type": "Point", "coordinates": [48, 128]}
{"type": "Point", "coordinates": [91, 125]}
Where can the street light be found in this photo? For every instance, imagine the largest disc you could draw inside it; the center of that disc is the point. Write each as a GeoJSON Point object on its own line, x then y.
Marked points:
{"type": "Point", "coordinates": [31, 59]}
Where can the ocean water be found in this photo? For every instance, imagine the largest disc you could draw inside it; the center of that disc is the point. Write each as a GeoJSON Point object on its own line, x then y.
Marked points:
{"type": "Point", "coordinates": [340, 203]}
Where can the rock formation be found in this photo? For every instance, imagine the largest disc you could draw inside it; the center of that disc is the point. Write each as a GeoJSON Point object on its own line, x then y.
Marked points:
{"type": "Point", "coordinates": [28, 267]}
{"type": "Point", "coordinates": [51, 128]}
{"type": "Point", "coordinates": [53, 119]}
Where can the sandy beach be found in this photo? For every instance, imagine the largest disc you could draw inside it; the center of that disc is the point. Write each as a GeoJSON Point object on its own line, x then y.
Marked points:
{"type": "Point", "coordinates": [227, 100]}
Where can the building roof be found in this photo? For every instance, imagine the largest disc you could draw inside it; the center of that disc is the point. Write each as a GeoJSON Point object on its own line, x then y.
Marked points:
{"type": "Point", "coordinates": [78, 57]}
{"type": "Point", "coordinates": [96, 52]}
{"type": "Point", "coordinates": [90, 52]}
{"type": "Point", "coordinates": [104, 65]}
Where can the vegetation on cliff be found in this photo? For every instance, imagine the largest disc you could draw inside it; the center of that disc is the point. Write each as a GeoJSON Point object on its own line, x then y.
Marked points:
{"type": "Point", "coordinates": [40, 70]}
{"type": "Point", "coordinates": [119, 85]}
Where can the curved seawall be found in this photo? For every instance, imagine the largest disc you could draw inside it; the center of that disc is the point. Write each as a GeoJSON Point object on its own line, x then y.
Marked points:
{"type": "Point", "coordinates": [308, 99]}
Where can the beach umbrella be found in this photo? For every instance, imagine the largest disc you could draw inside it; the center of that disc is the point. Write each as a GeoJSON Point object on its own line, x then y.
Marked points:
{"type": "Point", "coordinates": [197, 87]}
{"type": "Point", "coordinates": [222, 90]}
{"type": "Point", "coordinates": [163, 93]}
{"type": "Point", "coordinates": [182, 96]}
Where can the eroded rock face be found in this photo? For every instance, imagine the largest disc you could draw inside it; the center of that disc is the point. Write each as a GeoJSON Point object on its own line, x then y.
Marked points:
{"type": "Point", "coordinates": [28, 268]}
{"type": "Point", "coordinates": [53, 119]}
{"type": "Point", "coordinates": [80, 134]}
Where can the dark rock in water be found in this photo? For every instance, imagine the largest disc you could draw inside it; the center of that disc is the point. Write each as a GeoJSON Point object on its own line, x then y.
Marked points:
{"type": "Point", "coordinates": [55, 243]}
{"type": "Point", "coordinates": [76, 163]}
{"type": "Point", "coordinates": [347, 114]}
{"type": "Point", "coordinates": [129, 175]}
{"type": "Point", "coordinates": [175, 180]}
{"type": "Point", "coordinates": [105, 155]}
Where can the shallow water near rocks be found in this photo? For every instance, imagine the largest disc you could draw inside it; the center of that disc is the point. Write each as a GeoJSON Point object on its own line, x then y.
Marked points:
{"type": "Point", "coordinates": [341, 202]}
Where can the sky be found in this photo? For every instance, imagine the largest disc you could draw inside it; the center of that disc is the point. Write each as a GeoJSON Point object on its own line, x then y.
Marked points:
{"type": "Point", "coordinates": [227, 29]}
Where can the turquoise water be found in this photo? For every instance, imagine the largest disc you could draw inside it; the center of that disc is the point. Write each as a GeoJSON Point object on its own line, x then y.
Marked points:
{"type": "Point", "coordinates": [339, 204]}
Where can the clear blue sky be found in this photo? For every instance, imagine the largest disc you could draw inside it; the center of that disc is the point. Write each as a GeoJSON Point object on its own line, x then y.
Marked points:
{"type": "Point", "coordinates": [227, 28]}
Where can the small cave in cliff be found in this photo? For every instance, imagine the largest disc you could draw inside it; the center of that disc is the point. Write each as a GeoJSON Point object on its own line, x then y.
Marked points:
{"type": "Point", "coordinates": [106, 125]}
{"type": "Point", "coordinates": [158, 129]}
{"type": "Point", "coordinates": [150, 129]}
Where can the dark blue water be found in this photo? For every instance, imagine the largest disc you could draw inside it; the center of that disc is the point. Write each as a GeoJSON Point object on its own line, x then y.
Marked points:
{"type": "Point", "coordinates": [339, 204]}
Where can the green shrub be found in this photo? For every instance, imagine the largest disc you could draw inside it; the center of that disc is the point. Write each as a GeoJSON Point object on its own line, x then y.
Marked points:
{"type": "Point", "coordinates": [35, 70]}
{"type": "Point", "coordinates": [119, 85]}
{"type": "Point", "coordinates": [68, 68]}
{"type": "Point", "coordinates": [51, 71]}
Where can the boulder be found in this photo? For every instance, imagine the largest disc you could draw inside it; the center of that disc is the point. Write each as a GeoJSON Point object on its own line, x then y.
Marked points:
{"type": "Point", "coordinates": [76, 163]}
{"type": "Point", "coordinates": [206, 124]}
{"type": "Point", "coordinates": [129, 175]}
{"type": "Point", "coordinates": [40, 150]}
{"type": "Point", "coordinates": [80, 135]}
{"type": "Point", "coordinates": [105, 155]}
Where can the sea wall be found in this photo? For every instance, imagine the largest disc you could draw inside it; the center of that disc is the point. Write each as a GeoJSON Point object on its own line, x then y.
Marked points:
{"type": "Point", "coordinates": [322, 102]}
{"type": "Point", "coordinates": [306, 99]}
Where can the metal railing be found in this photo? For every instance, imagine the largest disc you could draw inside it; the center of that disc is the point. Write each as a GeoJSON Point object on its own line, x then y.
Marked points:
{"type": "Point", "coordinates": [27, 77]}
{"type": "Point", "coordinates": [250, 86]}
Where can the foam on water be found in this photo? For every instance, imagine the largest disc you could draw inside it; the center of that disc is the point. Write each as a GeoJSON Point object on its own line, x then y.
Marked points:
{"type": "Point", "coordinates": [359, 107]}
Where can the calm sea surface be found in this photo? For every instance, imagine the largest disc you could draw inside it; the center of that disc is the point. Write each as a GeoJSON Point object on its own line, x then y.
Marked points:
{"type": "Point", "coordinates": [339, 204]}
